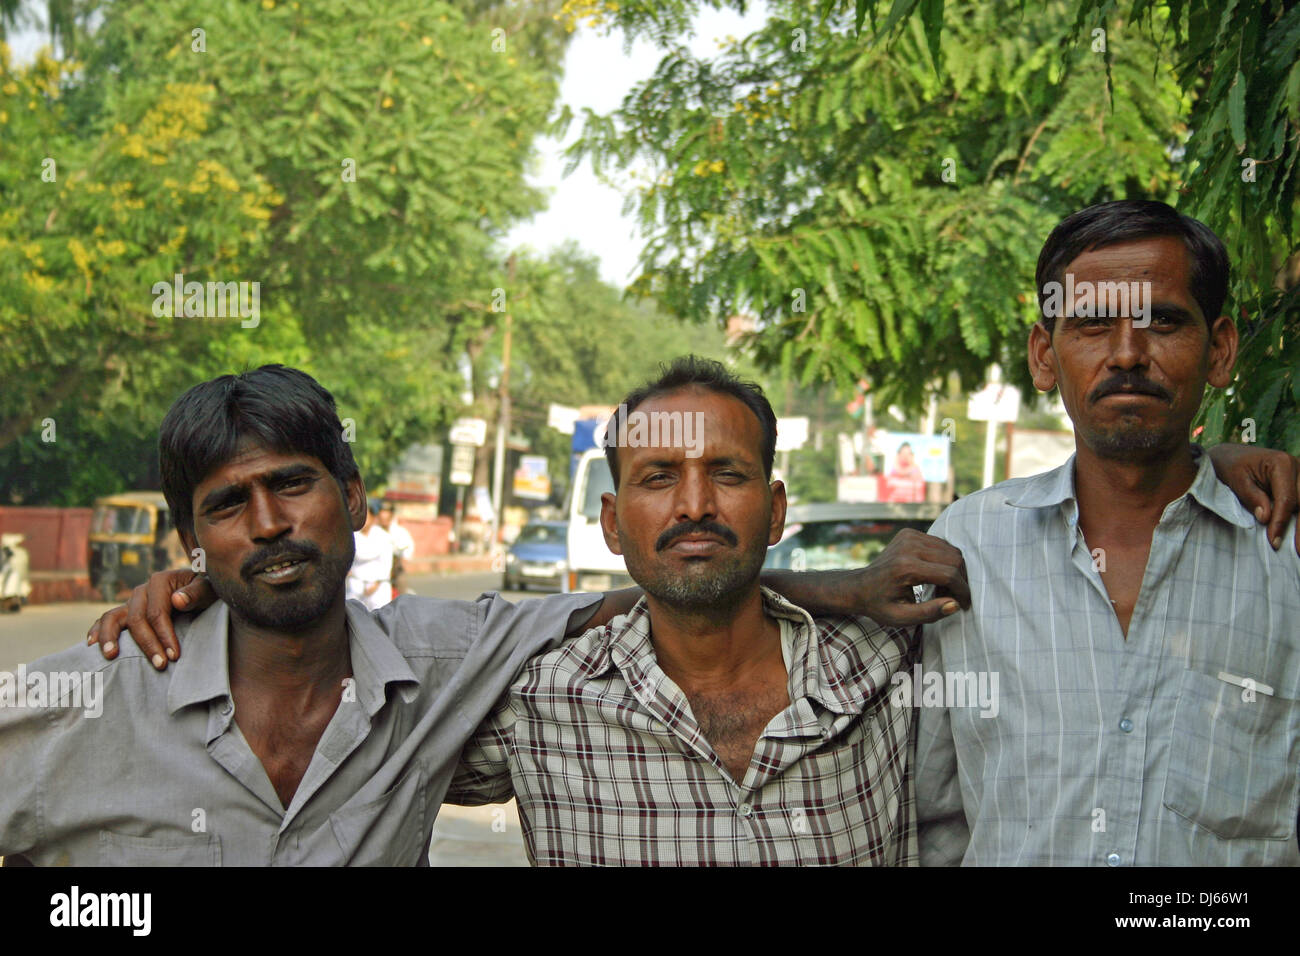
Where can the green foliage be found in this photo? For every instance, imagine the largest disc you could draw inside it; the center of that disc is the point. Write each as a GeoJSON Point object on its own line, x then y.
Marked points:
{"type": "Point", "coordinates": [880, 218]}
{"type": "Point", "coordinates": [359, 160]}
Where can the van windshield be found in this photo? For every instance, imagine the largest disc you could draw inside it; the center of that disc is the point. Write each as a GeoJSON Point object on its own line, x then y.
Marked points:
{"type": "Point", "coordinates": [598, 482]}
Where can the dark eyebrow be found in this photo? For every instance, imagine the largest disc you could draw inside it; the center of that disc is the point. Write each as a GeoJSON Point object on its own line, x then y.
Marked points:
{"type": "Point", "coordinates": [657, 463]}
{"type": "Point", "coordinates": [226, 493]}
{"type": "Point", "coordinates": [1171, 310]}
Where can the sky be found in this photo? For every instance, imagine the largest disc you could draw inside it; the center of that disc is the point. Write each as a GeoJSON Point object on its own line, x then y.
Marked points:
{"type": "Point", "coordinates": [598, 74]}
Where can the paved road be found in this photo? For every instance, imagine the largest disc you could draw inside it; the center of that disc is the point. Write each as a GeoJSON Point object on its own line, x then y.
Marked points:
{"type": "Point", "coordinates": [463, 836]}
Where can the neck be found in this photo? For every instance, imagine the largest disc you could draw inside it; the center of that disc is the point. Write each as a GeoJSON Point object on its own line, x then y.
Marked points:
{"type": "Point", "coordinates": [313, 657]}
{"type": "Point", "coordinates": [1130, 495]}
{"type": "Point", "coordinates": [716, 647]}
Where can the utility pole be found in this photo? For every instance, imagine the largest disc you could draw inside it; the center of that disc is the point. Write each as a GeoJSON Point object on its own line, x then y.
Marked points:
{"type": "Point", "coordinates": [990, 432]}
{"type": "Point", "coordinates": [503, 413]}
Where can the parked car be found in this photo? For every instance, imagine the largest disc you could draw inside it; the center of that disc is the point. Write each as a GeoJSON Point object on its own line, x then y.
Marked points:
{"type": "Point", "coordinates": [131, 536]}
{"type": "Point", "coordinates": [831, 537]}
{"type": "Point", "coordinates": [538, 558]}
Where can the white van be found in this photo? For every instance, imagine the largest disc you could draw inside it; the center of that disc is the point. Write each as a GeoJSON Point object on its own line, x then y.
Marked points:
{"type": "Point", "coordinates": [592, 566]}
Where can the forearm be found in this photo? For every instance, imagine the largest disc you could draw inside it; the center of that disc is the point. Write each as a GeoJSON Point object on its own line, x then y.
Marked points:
{"type": "Point", "coordinates": [818, 592]}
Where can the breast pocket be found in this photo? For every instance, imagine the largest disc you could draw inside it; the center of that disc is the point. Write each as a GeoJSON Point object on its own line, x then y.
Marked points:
{"type": "Point", "coordinates": [120, 849]}
{"type": "Point", "coordinates": [387, 831]}
{"type": "Point", "coordinates": [1233, 758]}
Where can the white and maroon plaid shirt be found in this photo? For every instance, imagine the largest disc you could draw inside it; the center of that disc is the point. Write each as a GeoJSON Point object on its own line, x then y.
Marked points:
{"type": "Point", "coordinates": [610, 767]}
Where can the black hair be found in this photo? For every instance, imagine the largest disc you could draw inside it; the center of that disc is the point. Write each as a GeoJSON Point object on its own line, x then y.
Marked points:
{"type": "Point", "coordinates": [1125, 220]}
{"type": "Point", "coordinates": [691, 371]}
{"type": "Point", "coordinates": [282, 408]}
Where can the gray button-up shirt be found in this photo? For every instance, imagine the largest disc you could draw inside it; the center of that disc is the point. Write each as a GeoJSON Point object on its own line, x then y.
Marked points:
{"type": "Point", "coordinates": [1178, 746]}
{"type": "Point", "coordinates": [162, 775]}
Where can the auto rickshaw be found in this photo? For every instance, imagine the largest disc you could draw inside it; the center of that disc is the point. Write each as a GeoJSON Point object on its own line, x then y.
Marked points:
{"type": "Point", "coordinates": [131, 537]}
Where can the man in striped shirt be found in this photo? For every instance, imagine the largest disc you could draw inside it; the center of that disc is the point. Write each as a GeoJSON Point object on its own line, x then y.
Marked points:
{"type": "Point", "coordinates": [1143, 632]}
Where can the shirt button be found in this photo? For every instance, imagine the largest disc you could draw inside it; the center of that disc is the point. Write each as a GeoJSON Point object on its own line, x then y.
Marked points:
{"type": "Point", "coordinates": [744, 809]}
{"type": "Point", "coordinates": [1112, 860]}
{"type": "Point", "coordinates": [1126, 725]}
{"type": "Point", "coordinates": [227, 709]}
{"type": "Point", "coordinates": [826, 733]}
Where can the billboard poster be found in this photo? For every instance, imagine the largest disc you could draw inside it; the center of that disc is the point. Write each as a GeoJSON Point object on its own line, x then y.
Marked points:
{"type": "Point", "coordinates": [909, 461]}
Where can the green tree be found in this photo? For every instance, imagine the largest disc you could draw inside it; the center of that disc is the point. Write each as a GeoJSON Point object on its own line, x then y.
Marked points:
{"type": "Point", "coordinates": [878, 216]}
{"type": "Point", "coordinates": [360, 161]}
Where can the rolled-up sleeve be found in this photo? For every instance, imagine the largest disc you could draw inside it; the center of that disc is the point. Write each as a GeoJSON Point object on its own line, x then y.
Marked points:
{"type": "Point", "coordinates": [483, 775]}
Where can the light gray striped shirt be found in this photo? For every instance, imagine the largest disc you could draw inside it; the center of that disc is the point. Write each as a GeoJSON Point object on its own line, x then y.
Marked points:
{"type": "Point", "coordinates": [1178, 746]}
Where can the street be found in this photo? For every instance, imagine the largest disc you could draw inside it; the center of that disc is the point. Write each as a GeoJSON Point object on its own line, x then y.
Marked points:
{"type": "Point", "coordinates": [463, 836]}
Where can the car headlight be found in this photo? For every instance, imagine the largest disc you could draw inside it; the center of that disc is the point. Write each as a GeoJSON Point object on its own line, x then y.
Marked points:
{"type": "Point", "coordinates": [511, 559]}
{"type": "Point", "coordinates": [559, 566]}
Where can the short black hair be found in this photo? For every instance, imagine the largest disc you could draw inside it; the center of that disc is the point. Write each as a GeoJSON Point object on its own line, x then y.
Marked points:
{"type": "Point", "coordinates": [282, 408]}
{"type": "Point", "coordinates": [1126, 220]}
{"type": "Point", "coordinates": [692, 371]}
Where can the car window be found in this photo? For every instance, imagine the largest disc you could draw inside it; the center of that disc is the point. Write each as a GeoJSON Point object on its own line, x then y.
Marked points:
{"type": "Point", "coordinates": [834, 545]}
{"type": "Point", "coordinates": [541, 534]}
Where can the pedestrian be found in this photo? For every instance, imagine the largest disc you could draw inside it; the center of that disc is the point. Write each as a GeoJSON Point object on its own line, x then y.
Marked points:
{"type": "Point", "coordinates": [370, 580]}
{"type": "Point", "coordinates": [403, 546]}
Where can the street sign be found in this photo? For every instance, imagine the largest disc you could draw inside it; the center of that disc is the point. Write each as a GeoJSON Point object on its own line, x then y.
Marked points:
{"type": "Point", "coordinates": [469, 431]}
{"type": "Point", "coordinates": [462, 464]}
{"type": "Point", "coordinates": [561, 418]}
{"type": "Point", "coordinates": [532, 478]}
{"type": "Point", "coordinates": [994, 403]}
{"type": "Point", "coordinates": [791, 433]}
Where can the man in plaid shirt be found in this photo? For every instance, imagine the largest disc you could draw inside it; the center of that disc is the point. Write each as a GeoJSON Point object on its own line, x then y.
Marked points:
{"type": "Point", "coordinates": [716, 723]}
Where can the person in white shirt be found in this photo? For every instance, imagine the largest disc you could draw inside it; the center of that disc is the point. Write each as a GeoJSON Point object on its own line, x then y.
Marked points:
{"type": "Point", "coordinates": [370, 580]}
{"type": "Point", "coordinates": [403, 545]}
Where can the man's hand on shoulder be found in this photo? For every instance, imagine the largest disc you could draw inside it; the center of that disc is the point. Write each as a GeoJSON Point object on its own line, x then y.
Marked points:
{"type": "Point", "coordinates": [883, 591]}
{"type": "Point", "coordinates": [1267, 482]}
{"type": "Point", "coordinates": [148, 615]}
{"type": "Point", "coordinates": [885, 586]}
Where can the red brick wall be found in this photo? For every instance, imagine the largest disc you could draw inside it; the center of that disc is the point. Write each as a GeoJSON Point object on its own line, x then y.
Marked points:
{"type": "Point", "coordinates": [431, 537]}
{"type": "Point", "coordinates": [56, 537]}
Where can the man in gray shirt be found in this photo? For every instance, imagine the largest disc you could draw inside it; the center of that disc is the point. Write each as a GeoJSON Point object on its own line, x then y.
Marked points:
{"type": "Point", "coordinates": [1143, 629]}
{"type": "Point", "coordinates": [298, 729]}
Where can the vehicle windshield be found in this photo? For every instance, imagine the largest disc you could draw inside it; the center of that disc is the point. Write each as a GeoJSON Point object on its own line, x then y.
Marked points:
{"type": "Point", "coordinates": [541, 534]}
{"type": "Point", "coordinates": [120, 519]}
{"type": "Point", "coordinates": [832, 545]}
{"type": "Point", "coordinates": [599, 481]}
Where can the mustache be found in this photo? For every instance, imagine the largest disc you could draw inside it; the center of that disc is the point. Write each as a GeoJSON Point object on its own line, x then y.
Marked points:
{"type": "Point", "coordinates": [1130, 383]}
{"type": "Point", "coordinates": [280, 551]}
{"type": "Point", "coordinates": [696, 527]}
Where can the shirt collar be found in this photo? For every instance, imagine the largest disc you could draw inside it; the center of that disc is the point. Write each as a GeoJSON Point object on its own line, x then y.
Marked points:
{"type": "Point", "coordinates": [631, 650]}
{"type": "Point", "coordinates": [1056, 487]}
{"type": "Point", "coordinates": [203, 672]}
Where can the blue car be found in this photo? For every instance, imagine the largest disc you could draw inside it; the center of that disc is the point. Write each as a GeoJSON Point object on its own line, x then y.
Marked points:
{"type": "Point", "coordinates": [538, 558]}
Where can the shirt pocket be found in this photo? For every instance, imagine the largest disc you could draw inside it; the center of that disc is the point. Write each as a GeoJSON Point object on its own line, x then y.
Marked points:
{"type": "Point", "coordinates": [1233, 758]}
{"type": "Point", "coordinates": [120, 849]}
{"type": "Point", "coordinates": [386, 831]}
